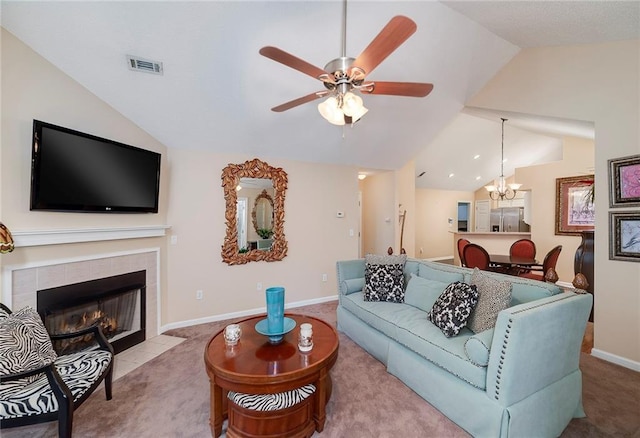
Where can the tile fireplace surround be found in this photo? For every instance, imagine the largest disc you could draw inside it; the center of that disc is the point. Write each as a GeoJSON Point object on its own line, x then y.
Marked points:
{"type": "Point", "coordinates": [21, 283]}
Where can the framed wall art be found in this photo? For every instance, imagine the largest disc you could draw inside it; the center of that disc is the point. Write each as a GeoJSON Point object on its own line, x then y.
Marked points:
{"type": "Point", "coordinates": [575, 211]}
{"type": "Point", "coordinates": [624, 236]}
{"type": "Point", "coordinates": [624, 181]}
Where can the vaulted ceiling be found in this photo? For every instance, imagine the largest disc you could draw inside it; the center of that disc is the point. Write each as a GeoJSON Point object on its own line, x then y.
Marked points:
{"type": "Point", "coordinates": [216, 91]}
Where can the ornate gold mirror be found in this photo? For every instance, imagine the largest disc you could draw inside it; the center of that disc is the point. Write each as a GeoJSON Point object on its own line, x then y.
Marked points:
{"type": "Point", "coordinates": [262, 215]}
{"type": "Point", "coordinates": [266, 186]}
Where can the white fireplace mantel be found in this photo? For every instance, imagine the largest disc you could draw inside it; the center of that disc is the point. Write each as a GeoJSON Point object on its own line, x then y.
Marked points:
{"type": "Point", "coordinates": [78, 235]}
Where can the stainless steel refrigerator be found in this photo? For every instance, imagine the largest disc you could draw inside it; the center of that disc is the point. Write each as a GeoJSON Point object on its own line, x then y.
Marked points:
{"type": "Point", "coordinates": [508, 219]}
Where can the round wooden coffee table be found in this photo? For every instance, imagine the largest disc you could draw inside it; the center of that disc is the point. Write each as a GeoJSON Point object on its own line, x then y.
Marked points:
{"type": "Point", "coordinates": [254, 366]}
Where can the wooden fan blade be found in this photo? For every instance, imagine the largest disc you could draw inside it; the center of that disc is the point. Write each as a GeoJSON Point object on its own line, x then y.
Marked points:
{"type": "Point", "coordinates": [299, 101]}
{"type": "Point", "coordinates": [291, 61]}
{"type": "Point", "coordinates": [389, 39]}
{"type": "Point", "coordinates": [410, 89]}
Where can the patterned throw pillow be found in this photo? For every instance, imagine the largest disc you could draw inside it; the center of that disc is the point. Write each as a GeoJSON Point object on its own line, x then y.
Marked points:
{"type": "Point", "coordinates": [494, 296]}
{"type": "Point", "coordinates": [384, 278]}
{"type": "Point", "coordinates": [453, 307]}
{"type": "Point", "coordinates": [24, 343]}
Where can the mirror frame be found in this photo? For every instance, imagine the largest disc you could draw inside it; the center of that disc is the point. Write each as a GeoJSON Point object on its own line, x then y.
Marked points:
{"type": "Point", "coordinates": [230, 179]}
{"type": "Point", "coordinates": [254, 218]}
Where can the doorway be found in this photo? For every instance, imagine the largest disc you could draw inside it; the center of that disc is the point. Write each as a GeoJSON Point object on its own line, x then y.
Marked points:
{"type": "Point", "coordinates": [483, 210]}
{"type": "Point", "coordinates": [464, 219]}
{"type": "Point", "coordinates": [241, 221]}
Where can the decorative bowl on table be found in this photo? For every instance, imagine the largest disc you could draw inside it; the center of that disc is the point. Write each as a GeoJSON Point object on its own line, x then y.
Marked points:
{"type": "Point", "coordinates": [262, 327]}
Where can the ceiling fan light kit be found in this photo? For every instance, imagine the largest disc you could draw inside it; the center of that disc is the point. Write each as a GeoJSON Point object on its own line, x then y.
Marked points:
{"type": "Point", "coordinates": [337, 110]}
{"type": "Point", "coordinates": [344, 77]}
{"type": "Point", "coordinates": [502, 190]}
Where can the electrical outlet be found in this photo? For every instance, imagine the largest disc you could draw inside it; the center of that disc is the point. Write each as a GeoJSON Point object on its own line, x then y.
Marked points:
{"type": "Point", "coordinates": [324, 277]}
{"type": "Point", "coordinates": [174, 240]}
{"type": "Point", "coordinates": [259, 286]}
{"type": "Point", "coordinates": [198, 294]}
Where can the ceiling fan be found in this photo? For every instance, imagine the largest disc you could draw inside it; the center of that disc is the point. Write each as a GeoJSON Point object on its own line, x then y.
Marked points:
{"type": "Point", "coordinates": [343, 76]}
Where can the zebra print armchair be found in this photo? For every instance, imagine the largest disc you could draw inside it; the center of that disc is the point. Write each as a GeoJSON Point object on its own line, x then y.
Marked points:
{"type": "Point", "coordinates": [37, 385]}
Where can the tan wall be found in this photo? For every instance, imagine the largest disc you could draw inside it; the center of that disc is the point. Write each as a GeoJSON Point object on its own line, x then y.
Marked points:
{"type": "Point", "coordinates": [379, 213]}
{"type": "Point", "coordinates": [316, 237]}
{"type": "Point", "coordinates": [34, 89]}
{"type": "Point", "coordinates": [541, 180]}
{"type": "Point", "coordinates": [191, 202]}
{"type": "Point", "coordinates": [433, 210]}
{"type": "Point", "coordinates": [597, 83]}
{"type": "Point", "coordinates": [406, 201]}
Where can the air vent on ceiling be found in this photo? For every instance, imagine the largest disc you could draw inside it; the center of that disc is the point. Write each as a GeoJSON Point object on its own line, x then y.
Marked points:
{"type": "Point", "coordinates": [146, 65]}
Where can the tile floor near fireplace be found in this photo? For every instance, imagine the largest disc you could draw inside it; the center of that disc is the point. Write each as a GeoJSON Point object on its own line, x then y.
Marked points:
{"type": "Point", "coordinates": [137, 355]}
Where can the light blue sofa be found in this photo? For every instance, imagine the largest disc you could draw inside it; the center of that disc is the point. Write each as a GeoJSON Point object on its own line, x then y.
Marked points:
{"type": "Point", "coordinates": [518, 379]}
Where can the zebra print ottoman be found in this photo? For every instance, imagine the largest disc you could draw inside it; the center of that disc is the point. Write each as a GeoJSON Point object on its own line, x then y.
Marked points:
{"type": "Point", "coordinates": [286, 414]}
{"type": "Point", "coordinates": [271, 402]}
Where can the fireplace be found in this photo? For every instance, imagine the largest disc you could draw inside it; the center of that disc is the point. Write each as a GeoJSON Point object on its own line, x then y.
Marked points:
{"type": "Point", "coordinates": [117, 303]}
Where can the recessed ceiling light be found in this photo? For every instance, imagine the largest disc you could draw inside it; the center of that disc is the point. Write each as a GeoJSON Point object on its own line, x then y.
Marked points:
{"type": "Point", "coordinates": [504, 160]}
{"type": "Point", "coordinates": [451, 175]}
{"type": "Point", "coordinates": [478, 177]}
{"type": "Point", "coordinates": [475, 157]}
{"type": "Point", "coordinates": [362, 176]}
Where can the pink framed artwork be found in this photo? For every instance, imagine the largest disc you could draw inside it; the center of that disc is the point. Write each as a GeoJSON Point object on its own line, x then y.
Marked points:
{"type": "Point", "coordinates": [624, 181]}
{"type": "Point", "coordinates": [575, 211]}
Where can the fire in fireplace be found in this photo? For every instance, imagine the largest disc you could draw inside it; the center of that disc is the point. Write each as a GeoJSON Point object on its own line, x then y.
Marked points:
{"type": "Point", "coordinates": [116, 303]}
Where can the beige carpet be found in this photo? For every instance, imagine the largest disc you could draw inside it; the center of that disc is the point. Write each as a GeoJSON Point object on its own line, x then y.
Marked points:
{"type": "Point", "coordinates": [169, 397]}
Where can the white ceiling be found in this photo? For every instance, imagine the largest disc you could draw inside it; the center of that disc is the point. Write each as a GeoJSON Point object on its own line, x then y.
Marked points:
{"type": "Point", "coordinates": [217, 91]}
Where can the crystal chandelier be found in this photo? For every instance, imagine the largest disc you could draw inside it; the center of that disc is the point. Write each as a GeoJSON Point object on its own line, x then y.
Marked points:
{"type": "Point", "coordinates": [502, 190]}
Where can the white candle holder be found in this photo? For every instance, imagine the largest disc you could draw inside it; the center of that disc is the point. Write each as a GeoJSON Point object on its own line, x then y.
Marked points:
{"type": "Point", "coordinates": [305, 338]}
{"type": "Point", "coordinates": [232, 334]}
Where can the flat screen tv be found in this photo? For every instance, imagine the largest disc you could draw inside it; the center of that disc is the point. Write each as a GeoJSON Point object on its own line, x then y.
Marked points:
{"type": "Point", "coordinates": [74, 171]}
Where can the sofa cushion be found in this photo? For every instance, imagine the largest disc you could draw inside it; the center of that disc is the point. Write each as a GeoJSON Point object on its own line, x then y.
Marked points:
{"type": "Point", "coordinates": [478, 347]}
{"type": "Point", "coordinates": [423, 293]}
{"type": "Point", "coordinates": [524, 290]}
{"type": "Point", "coordinates": [383, 316]}
{"type": "Point", "coordinates": [410, 327]}
{"type": "Point", "coordinates": [353, 285]}
{"type": "Point", "coordinates": [440, 272]}
{"type": "Point", "coordinates": [384, 278]}
{"type": "Point", "coordinates": [24, 343]}
{"type": "Point", "coordinates": [453, 307]}
{"type": "Point", "coordinates": [493, 296]}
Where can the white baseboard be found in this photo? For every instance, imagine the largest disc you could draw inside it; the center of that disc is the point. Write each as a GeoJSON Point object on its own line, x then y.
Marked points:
{"type": "Point", "coordinates": [436, 259]}
{"type": "Point", "coordinates": [244, 313]}
{"type": "Point", "coordinates": [618, 360]}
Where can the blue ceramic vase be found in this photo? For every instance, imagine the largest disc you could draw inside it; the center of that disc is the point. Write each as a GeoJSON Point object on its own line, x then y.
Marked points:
{"type": "Point", "coordinates": [275, 309]}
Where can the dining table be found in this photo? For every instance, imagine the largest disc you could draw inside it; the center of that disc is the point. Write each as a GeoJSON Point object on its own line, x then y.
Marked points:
{"type": "Point", "coordinates": [509, 260]}
{"type": "Point", "coordinates": [512, 264]}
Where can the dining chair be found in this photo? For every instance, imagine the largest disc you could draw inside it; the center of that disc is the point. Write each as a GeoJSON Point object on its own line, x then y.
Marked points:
{"type": "Point", "coordinates": [550, 260]}
{"type": "Point", "coordinates": [525, 248]}
{"type": "Point", "coordinates": [461, 244]}
{"type": "Point", "coordinates": [476, 256]}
